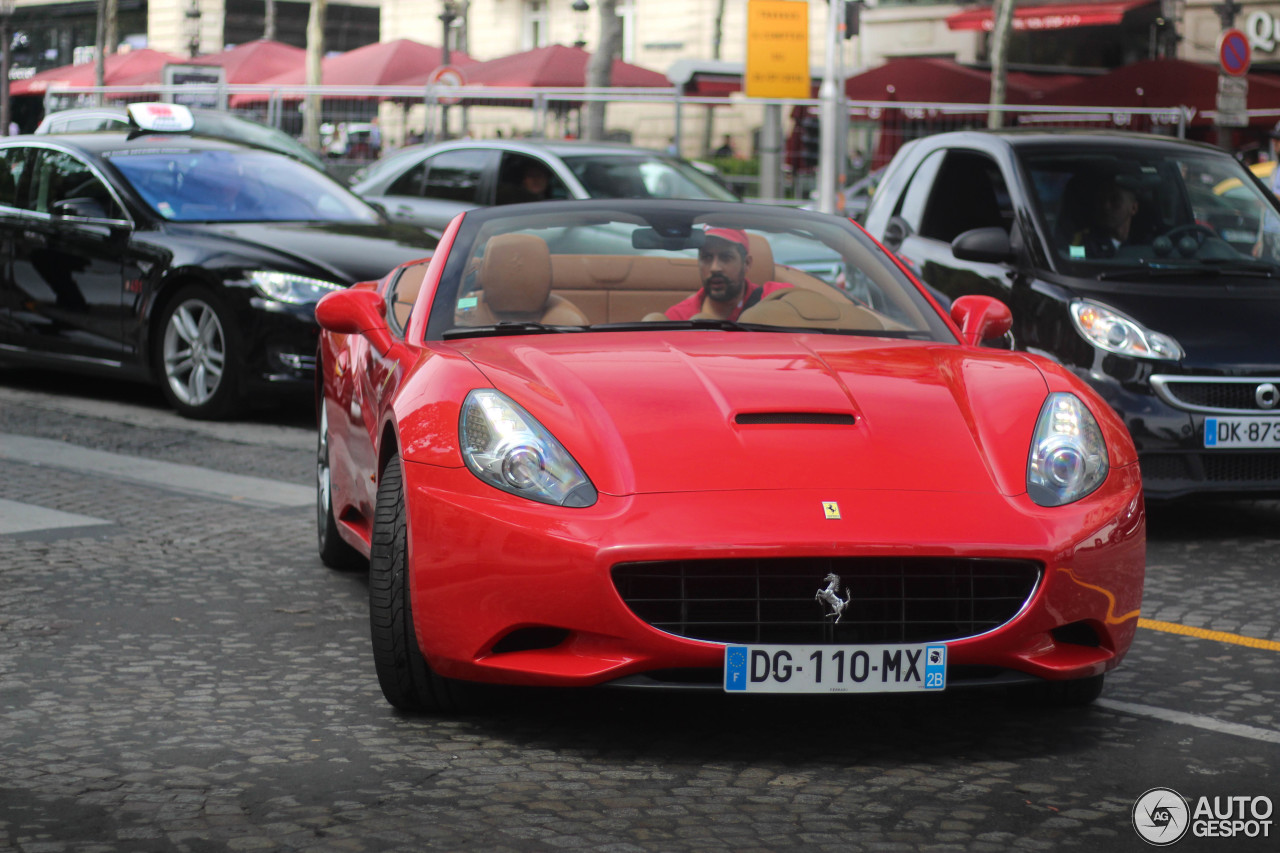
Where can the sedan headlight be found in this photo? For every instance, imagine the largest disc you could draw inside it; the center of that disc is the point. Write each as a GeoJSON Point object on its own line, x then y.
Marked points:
{"type": "Point", "coordinates": [1108, 329]}
{"type": "Point", "coordinates": [503, 445]}
{"type": "Point", "coordinates": [1068, 455]}
{"type": "Point", "coordinates": [287, 287]}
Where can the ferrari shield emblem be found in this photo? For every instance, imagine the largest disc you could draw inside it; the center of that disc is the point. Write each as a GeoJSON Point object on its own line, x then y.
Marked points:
{"type": "Point", "coordinates": [831, 510]}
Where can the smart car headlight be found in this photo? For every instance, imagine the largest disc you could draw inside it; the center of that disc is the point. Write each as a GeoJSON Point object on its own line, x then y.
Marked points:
{"type": "Point", "coordinates": [1068, 455]}
{"type": "Point", "coordinates": [506, 447]}
{"type": "Point", "coordinates": [1108, 329]}
{"type": "Point", "coordinates": [291, 288]}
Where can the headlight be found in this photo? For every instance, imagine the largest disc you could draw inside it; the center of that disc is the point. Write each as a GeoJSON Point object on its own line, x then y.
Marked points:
{"type": "Point", "coordinates": [504, 446]}
{"type": "Point", "coordinates": [287, 287]}
{"type": "Point", "coordinates": [1068, 456]}
{"type": "Point", "coordinates": [1112, 331]}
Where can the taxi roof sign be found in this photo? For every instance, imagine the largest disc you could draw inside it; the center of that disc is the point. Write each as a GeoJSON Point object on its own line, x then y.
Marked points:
{"type": "Point", "coordinates": [156, 117]}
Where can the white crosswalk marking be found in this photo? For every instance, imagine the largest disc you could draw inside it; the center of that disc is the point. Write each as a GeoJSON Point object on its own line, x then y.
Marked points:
{"type": "Point", "coordinates": [25, 518]}
{"type": "Point", "coordinates": [185, 479]}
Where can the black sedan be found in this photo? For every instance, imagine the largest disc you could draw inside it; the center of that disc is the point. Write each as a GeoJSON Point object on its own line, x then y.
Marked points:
{"type": "Point", "coordinates": [1149, 266]}
{"type": "Point", "coordinates": [195, 263]}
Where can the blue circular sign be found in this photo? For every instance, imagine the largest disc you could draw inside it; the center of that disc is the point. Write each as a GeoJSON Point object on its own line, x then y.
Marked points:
{"type": "Point", "coordinates": [1234, 53]}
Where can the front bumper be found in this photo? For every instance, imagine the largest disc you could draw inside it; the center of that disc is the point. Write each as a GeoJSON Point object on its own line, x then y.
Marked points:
{"type": "Point", "coordinates": [510, 591]}
{"type": "Point", "coordinates": [1171, 449]}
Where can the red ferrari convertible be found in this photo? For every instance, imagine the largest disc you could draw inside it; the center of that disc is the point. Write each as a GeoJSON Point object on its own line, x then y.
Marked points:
{"type": "Point", "coordinates": [666, 443]}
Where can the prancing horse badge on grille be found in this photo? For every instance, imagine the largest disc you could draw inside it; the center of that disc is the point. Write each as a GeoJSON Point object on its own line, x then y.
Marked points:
{"type": "Point", "coordinates": [831, 597]}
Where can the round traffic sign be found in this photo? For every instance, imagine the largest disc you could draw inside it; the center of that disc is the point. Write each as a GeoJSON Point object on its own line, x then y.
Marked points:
{"type": "Point", "coordinates": [446, 77]}
{"type": "Point", "coordinates": [1234, 53]}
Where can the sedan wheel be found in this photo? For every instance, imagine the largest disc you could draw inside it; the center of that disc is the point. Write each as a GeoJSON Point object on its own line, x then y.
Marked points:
{"type": "Point", "coordinates": [334, 552]}
{"type": "Point", "coordinates": [406, 678]}
{"type": "Point", "coordinates": [198, 352]}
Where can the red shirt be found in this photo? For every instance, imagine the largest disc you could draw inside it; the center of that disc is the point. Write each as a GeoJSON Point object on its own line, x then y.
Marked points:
{"type": "Point", "coordinates": [751, 294]}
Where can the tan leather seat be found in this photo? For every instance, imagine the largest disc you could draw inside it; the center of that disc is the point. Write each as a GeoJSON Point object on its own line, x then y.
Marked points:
{"type": "Point", "coordinates": [796, 307]}
{"type": "Point", "coordinates": [761, 268]}
{"type": "Point", "coordinates": [514, 283]}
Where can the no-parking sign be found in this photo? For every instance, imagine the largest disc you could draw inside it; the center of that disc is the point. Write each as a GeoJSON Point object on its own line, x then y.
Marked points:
{"type": "Point", "coordinates": [1234, 53]}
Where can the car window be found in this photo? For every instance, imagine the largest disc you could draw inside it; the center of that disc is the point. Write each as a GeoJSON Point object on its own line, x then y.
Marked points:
{"type": "Point", "coordinates": [968, 192]}
{"type": "Point", "coordinates": [522, 178]}
{"type": "Point", "coordinates": [456, 175]}
{"type": "Point", "coordinates": [1137, 206]}
{"type": "Point", "coordinates": [13, 163]}
{"type": "Point", "coordinates": [805, 272]}
{"type": "Point", "coordinates": [242, 185]}
{"type": "Point", "coordinates": [402, 294]}
{"type": "Point", "coordinates": [643, 176]}
{"type": "Point", "coordinates": [911, 208]}
{"type": "Point", "coordinates": [61, 177]}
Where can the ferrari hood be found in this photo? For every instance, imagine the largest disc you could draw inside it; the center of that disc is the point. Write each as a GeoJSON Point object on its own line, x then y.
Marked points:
{"type": "Point", "coordinates": [705, 411]}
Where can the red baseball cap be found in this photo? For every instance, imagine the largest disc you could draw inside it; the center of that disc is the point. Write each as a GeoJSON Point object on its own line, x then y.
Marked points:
{"type": "Point", "coordinates": [733, 235]}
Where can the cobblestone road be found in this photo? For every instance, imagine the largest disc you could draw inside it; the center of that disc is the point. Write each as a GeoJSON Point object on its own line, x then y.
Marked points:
{"type": "Point", "coordinates": [179, 673]}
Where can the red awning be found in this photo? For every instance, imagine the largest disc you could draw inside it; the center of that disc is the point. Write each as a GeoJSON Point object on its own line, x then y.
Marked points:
{"type": "Point", "coordinates": [1052, 16]}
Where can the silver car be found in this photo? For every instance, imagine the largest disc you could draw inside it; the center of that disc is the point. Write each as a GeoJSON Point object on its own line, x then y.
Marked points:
{"type": "Point", "coordinates": [427, 185]}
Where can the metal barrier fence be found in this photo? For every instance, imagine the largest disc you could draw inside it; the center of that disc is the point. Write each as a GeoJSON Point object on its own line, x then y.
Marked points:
{"type": "Point", "coordinates": [655, 118]}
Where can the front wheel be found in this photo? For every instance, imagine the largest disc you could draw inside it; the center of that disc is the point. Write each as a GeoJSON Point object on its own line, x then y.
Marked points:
{"type": "Point", "coordinates": [406, 678]}
{"type": "Point", "coordinates": [198, 355]}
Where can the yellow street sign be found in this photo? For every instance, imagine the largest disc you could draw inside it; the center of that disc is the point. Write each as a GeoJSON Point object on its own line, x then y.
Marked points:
{"type": "Point", "coordinates": [777, 49]}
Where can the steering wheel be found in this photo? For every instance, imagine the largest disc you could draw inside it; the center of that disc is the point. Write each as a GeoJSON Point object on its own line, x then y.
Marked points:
{"type": "Point", "coordinates": [1187, 238]}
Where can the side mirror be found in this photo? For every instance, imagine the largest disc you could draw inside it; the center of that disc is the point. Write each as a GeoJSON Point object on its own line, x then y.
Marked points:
{"type": "Point", "coordinates": [980, 318]}
{"type": "Point", "coordinates": [356, 312]}
{"type": "Point", "coordinates": [84, 208]}
{"type": "Point", "coordinates": [989, 245]}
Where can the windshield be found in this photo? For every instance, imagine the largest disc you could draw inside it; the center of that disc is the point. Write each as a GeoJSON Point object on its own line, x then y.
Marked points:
{"type": "Point", "coordinates": [237, 186]}
{"type": "Point", "coordinates": [1152, 208]}
{"type": "Point", "coordinates": [644, 176]}
{"type": "Point", "coordinates": [647, 265]}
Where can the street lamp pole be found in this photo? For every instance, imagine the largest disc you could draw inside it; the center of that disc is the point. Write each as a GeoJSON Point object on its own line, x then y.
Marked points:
{"type": "Point", "coordinates": [6, 63]}
{"type": "Point", "coordinates": [448, 14]}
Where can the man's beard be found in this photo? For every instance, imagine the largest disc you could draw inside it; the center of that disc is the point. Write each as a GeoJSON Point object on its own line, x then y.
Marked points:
{"type": "Point", "coordinates": [729, 291]}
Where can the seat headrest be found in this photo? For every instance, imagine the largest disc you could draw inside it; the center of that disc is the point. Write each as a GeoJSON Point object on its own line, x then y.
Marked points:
{"type": "Point", "coordinates": [515, 274]}
{"type": "Point", "coordinates": [761, 269]}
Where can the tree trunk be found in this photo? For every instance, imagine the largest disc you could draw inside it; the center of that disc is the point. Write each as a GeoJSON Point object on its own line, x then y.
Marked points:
{"type": "Point", "coordinates": [1003, 13]}
{"type": "Point", "coordinates": [600, 68]}
{"type": "Point", "coordinates": [315, 52]}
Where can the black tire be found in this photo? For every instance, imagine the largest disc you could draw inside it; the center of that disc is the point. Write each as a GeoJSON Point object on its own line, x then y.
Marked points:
{"type": "Point", "coordinates": [334, 551]}
{"type": "Point", "coordinates": [1061, 694]}
{"type": "Point", "coordinates": [406, 678]}
{"type": "Point", "coordinates": [198, 355]}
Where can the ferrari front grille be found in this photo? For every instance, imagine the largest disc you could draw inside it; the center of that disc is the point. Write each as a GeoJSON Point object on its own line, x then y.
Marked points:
{"type": "Point", "coordinates": [890, 599]}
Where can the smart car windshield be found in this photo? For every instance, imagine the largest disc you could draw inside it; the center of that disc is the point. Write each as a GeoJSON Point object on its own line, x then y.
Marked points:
{"type": "Point", "coordinates": [201, 185]}
{"type": "Point", "coordinates": [649, 176]}
{"type": "Point", "coordinates": [1152, 211]}
{"type": "Point", "coordinates": [629, 266]}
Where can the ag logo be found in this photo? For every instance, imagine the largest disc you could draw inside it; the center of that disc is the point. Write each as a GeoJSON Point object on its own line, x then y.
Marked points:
{"type": "Point", "coordinates": [1160, 816]}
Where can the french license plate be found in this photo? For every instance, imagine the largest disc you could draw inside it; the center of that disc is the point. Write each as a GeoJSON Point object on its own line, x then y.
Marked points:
{"type": "Point", "coordinates": [1242, 432]}
{"type": "Point", "coordinates": [835, 669]}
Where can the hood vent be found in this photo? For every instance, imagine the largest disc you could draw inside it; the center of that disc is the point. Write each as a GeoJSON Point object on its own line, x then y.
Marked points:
{"type": "Point", "coordinates": [819, 418]}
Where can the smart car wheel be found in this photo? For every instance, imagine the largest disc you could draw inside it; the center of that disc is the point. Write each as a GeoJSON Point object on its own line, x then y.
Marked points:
{"type": "Point", "coordinates": [198, 355]}
{"type": "Point", "coordinates": [334, 552]}
{"type": "Point", "coordinates": [406, 678]}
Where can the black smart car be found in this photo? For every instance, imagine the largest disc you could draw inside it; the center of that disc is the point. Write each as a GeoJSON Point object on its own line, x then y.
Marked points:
{"type": "Point", "coordinates": [1148, 266]}
{"type": "Point", "coordinates": [192, 262]}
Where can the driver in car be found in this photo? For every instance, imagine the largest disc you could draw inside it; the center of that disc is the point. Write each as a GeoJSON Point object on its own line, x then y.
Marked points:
{"type": "Point", "coordinates": [723, 260]}
{"type": "Point", "coordinates": [1113, 209]}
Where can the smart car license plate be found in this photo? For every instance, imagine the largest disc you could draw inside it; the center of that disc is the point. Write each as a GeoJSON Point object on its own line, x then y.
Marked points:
{"type": "Point", "coordinates": [835, 669]}
{"type": "Point", "coordinates": [1242, 432]}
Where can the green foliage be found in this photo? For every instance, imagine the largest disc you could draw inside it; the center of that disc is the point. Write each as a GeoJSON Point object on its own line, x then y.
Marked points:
{"type": "Point", "coordinates": [735, 165]}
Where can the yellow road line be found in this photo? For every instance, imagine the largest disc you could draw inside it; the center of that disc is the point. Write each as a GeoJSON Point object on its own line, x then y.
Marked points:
{"type": "Point", "coordinates": [1203, 634]}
